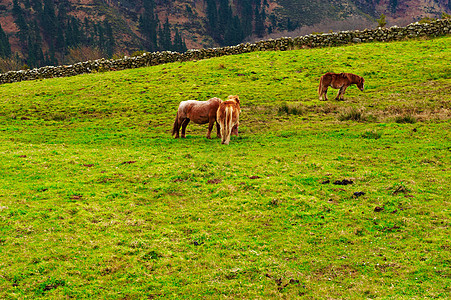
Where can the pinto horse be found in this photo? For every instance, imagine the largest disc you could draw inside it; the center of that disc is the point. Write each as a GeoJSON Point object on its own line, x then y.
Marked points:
{"type": "Point", "coordinates": [338, 81]}
{"type": "Point", "coordinates": [228, 118]}
{"type": "Point", "coordinates": [200, 112]}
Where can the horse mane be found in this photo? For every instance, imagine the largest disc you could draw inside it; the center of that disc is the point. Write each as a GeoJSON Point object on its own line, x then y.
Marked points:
{"type": "Point", "coordinates": [353, 78]}
{"type": "Point", "coordinates": [234, 98]}
{"type": "Point", "coordinates": [216, 99]}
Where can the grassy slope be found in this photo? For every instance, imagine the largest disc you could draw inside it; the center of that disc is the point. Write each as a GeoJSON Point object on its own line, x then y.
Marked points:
{"type": "Point", "coordinates": [98, 201]}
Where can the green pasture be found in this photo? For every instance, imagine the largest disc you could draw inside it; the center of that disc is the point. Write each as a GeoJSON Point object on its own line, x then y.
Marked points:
{"type": "Point", "coordinates": [314, 200]}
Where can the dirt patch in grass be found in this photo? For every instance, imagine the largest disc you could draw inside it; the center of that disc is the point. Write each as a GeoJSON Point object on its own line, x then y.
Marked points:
{"type": "Point", "coordinates": [332, 271]}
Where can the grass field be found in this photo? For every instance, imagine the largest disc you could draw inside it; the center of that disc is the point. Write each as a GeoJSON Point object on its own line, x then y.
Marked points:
{"type": "Point", "coordinates": [338, 199]}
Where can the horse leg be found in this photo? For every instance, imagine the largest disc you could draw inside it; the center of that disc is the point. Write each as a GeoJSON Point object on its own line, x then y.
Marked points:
{"type": "Point", "coordinates": [343, 92]}
{"type": "Point", "coordinates": [176, 126]}
{"type": "Point", "coordinates": [176, 129]}
{"type": "Point", "coordinates": [339, 94]}
{"type": "Point", "coordinates": [218, 130]}
{"type": "Point", "coordinates": [322, 88]}
{"type": "Point", "coordinates": [184, 124]}
{"type": "Point", "coordinates": [235, 129]}
{"type": "Point", "coordinates": [210, 128]}
{"type": "Point", "coordinates": [323, 93]}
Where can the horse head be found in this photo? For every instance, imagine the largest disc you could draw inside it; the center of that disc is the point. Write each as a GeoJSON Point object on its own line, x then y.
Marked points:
{"type": "Point", "coordinates": [234, 98]}
{"type": "Point", "coordinates": [361, 83]}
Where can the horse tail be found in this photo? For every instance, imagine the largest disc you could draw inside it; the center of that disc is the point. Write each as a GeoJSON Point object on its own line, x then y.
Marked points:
{"type": "Point", "coordinates": [226, 125]}
{"type": "Point", "coordinates": [223, 124]}
{"type": "Point", "coordinates": [175, 127]}
{"type": "Point", "coordinates": [229, 123]}
{"type": "Point", "coordinates": [320, 87]}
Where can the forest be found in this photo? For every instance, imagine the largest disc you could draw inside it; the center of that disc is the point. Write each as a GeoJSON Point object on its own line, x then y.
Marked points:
{"type": "Point", "coordinates": [47, 31]}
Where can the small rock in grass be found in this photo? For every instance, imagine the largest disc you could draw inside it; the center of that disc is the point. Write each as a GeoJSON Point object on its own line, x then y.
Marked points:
{"type": "Point", "coordinates": [378, 209]}
{"type": "Point", "coordinates": [343, 182]}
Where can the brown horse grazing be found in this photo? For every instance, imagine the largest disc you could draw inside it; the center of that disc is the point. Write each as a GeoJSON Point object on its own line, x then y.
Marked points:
{"type": "Point", "coordinates": [200, 112]}
{"type": "Point", "coordinates": [228, 118]}
{"type": "Point", "coordinates": [338, 81]}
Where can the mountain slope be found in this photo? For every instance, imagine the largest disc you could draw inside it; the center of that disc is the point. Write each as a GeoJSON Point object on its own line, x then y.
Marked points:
{"type": "Point", "coordinates": [200, 24]}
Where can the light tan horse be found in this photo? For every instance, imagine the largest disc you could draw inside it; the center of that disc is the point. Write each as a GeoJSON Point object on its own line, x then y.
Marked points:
{"type": "Point", "coordinates": [338, 81]}
{"type": "Point", "coordinates": [228, 118]}
{"type": "Point", "coordinates": [200, 112]}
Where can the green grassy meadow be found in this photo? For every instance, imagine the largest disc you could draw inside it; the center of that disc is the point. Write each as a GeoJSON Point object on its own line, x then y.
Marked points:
{"type": "Point", "coordinates": [98, 201]}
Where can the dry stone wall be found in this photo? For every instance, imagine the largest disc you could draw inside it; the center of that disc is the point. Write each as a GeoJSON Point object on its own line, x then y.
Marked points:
{"type": "Point", "coordinates": [414, 30]}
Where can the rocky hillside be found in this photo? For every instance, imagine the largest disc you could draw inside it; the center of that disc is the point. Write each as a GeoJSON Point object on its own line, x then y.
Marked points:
{"type": "Point", "coordinates": [49, 28]}
{"type": "Point", "coordinates": [322, 16]}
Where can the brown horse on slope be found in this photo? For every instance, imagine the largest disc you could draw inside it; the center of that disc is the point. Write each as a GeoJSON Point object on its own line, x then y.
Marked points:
{"type": "Point", "coordinates": [228, 118]}
{"type": "Point", "coordinates": [338, 81]}
{"type": "Point", "coordinates": [200, 112]}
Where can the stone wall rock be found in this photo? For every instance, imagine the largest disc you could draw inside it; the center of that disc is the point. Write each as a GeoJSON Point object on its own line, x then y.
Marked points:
{"type": "Point", "coordinates": [414, 30]}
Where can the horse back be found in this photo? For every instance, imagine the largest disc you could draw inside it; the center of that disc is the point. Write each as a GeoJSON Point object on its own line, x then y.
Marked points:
{"type": "Point", "coordinates": [348, 78]}
{"type": "Point", "coordinates": [336, 80]}
{"type": "Point", "coordinates": [228, 109]}
{"type": "Point", "coordinates": [186, 105]}
{"type": "Point", "coordinates": [328, 79]}
{"type": "Point", "coordinates": [199, 111]}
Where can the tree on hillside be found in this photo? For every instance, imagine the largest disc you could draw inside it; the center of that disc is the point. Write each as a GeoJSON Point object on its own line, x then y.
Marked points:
{"type": "Point", "coordinates": [5, 46]}
{"type": "Point", "coordinates": [382, 21]}
{"type": "Point", "coordinates": [148, 25]}
{"type": "Point", "coordinates": [393, 5]}
{"type": "Point", "coordinates": [20, 22]}
{"type": "Point", "coordinates": [73, 33]}
{"type": "Point", "coordinates": [234, 32]}
{"type": "Point", "coordinates": [90, 32]}
{"type": "Point", "coordinates": [164, 36]}
{"type": "Point", "coordinates": [212, 19]}
{"type": "Point", "coordinates": [36, 5]}
{"type": "Point", "coordinates": [179, 44]}
{"type": "Point", "coordinates": [49, 21]}
{"type": "Point", "coordinates": [50, 57]}
{"type": "Point", "coordinates": [34, 47]}
{"type": "Point", "coordinates": [60, 41]}
{"type": "Point", "coordinates": [247, 17]}
{"type": "Point", "coordinates": [259, 22]}
{"type": "Point", "coordinates": [229, 26]}
{"type": "Point", "coordinates": [109, 40]}
{"type": "Point", "coordinates": [224, 18]}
